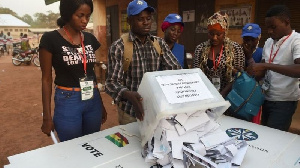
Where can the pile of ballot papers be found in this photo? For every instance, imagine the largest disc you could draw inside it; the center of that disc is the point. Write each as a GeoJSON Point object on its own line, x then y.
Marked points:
{"type": "Point", "coordinates": [183, 140]}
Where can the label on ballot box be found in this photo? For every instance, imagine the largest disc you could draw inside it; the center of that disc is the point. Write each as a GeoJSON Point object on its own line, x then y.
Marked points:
{"type": "Point", "coordinates": [183, 88]}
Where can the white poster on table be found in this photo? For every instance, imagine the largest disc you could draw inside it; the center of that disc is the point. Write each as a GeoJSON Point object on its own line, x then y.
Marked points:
{"type": "Point", "coordinates": [183, 88]}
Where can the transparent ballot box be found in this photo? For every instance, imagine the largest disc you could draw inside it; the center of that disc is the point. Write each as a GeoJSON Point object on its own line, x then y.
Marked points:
{"type": "Point", "coordinates": [171, 92]}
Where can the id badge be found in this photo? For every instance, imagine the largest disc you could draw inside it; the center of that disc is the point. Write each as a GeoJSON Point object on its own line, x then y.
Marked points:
{"type": "Point", "coordinates": [216, 81]}
{"type": "Point", "coordinates": [266, 83]}
{"type": "Point", "coordinates": [87, 87]}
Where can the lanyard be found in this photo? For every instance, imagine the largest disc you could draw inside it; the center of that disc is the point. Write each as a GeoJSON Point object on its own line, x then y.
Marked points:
{"type": "Point", "coordinates": [214, 58]}
{"type": "Point", "coordinates": [82, 46]}
{"type": "Point", "coordinates": [272, 59]}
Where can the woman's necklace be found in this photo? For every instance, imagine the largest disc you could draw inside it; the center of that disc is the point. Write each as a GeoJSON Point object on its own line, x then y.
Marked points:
{"type": "Point", "coordinates": [216, 64]}
{"type": "Point", "coordinates": [69, 36]}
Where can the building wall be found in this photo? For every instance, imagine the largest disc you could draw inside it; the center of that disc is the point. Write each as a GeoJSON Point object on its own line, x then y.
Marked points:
{"type": "Point", "coordinates": [235, 33]}
{"type": "Point", "coordinates": [195, 31]}
{"type": "Point", "coordinates": [14, 31]}
{"type": "Point", "coordinates": [164, 8]}
{"type": "Point", "coordinates": [264, 6]}
{"type": "Point", "coordinates": [99, 26]}
{"type": "Point", "coordinates": [122, 4]}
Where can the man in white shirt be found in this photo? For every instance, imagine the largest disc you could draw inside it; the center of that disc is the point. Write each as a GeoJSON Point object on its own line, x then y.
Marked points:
{"type": "Point", "coordinates": [280, 68]}
{"type": "Point", "coordinates": [9, 43]}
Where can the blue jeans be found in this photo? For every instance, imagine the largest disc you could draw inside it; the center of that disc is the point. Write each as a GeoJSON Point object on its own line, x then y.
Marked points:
{"type": "Point", "coordinates": [278, 114]}
{"type": "Point", "coordinates": [73, 117]}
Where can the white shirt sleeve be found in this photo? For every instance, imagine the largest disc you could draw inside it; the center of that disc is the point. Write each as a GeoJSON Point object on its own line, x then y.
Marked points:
{"type": "Point", "coordinates": [296, 48]}
{"type": "Point", "coordinates": [266, 49]}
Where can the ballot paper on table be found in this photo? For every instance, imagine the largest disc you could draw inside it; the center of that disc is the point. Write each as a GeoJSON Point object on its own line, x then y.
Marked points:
{"type": "Point", "coordinates": [167, 146]}
{"type": "Point", "coordinates": [214, 139]}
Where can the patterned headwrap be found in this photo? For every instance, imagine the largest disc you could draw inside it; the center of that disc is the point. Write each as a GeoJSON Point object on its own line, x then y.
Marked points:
{"type": "Point", "coordinates": [218, 21]}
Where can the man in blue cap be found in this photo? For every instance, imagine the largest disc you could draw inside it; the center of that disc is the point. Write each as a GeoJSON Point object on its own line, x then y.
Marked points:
{"type": "Point", "coordinates": [172, 27]}
{"type": "Point", "coordinates": [147, 54]}
{"type": "Point", "coordinates": [251, 34]}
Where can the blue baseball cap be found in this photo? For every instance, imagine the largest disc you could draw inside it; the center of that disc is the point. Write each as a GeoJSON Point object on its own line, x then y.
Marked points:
{"type": "Point", "coordinates": [252, 30]}
{"type": "Point", "coordinates": [137, 6]}
{"type": "Point", "coordinates": [174, 18]}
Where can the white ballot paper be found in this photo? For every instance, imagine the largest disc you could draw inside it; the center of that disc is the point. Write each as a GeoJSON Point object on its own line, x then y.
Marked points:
{"type": "Point", "coordinates": [183, 88]}
{"type": "Point", "coordinates": [214, 139]}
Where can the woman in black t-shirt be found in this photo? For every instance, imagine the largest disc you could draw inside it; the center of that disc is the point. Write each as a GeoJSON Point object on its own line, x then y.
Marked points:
{"type": "Point", "coordinates": [78, 108]}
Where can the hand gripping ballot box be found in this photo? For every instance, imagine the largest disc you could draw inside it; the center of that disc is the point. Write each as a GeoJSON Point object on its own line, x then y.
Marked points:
{"type": "Point", "coordinates": [172, 92]}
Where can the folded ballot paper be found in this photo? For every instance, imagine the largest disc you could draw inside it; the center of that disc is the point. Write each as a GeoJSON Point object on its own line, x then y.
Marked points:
{"type": "Point", "coordinates": [179, 128]}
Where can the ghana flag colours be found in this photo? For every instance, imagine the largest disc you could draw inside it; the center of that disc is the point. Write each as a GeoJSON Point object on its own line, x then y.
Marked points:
{"type": "Point", "coordinates": [117, 139]}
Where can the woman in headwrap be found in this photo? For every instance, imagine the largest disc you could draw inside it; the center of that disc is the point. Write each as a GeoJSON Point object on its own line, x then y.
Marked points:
{"type": "Point", "coordinates": [172, 28]}
{"type": "Point", "coordinates": [219, 57]}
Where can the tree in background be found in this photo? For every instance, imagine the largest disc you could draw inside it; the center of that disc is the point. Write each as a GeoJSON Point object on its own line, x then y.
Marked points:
{"type": "Point", "coordinates": [27, 18]}
{"type": "Point", "coordinates": [9, 11]}
{"type": "Point", "coordinates": [40, 20]}
{"type": "Point", "coordinates": [45, 20]}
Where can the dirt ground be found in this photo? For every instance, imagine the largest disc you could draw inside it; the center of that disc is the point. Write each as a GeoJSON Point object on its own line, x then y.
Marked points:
{"type": "Point", "coordinates": [21, 109]}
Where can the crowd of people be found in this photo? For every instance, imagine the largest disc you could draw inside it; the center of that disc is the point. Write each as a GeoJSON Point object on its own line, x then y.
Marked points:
{"type": "Point", "coordinates": [71, 52]}
{"type": "Point", "coordinates": [7, 43]}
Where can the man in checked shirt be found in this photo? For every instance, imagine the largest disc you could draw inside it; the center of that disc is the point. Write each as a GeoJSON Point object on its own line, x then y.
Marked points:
{"type": "Point", "coordinates": [121, 84]}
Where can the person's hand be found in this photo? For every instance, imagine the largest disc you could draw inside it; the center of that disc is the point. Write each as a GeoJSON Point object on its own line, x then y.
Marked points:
{"type": "Point", "coordinates": [104, 115]}
{"type": "Point", "coordinates": [236, 70]}
{"type": "Point", "coordinates": [248, 50]}
{"type": "Point", "coordinates": [47, 126]}
{"type": "Point", "coordinates": [136, 101]}
{"type": "Point", "coordinates": [258, 70]}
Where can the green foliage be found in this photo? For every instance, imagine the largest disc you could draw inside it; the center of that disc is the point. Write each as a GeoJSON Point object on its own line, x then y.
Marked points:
{"type": "Point", "coordinates": [27, 18]}
{"type": "Point", "coordinates": [7, 11]}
